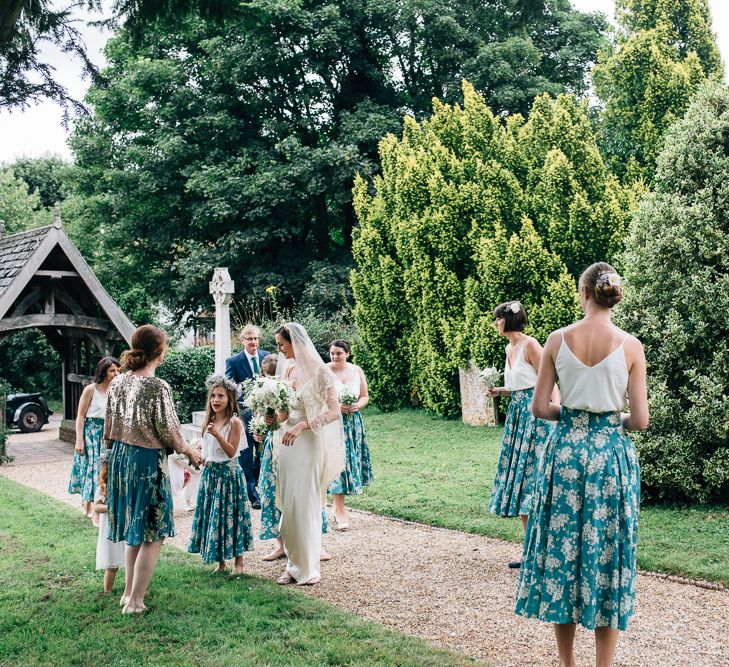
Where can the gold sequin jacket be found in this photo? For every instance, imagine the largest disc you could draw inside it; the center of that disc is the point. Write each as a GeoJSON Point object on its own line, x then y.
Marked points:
{"type": "Point", "coordinates": [140, 411]}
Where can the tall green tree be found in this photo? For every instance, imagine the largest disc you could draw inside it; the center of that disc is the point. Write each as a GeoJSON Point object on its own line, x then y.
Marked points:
{"type": "Point", "coordinates": [237, 142]}
{"type": "Point", "coordinates": [665, 51]}
{"type": "Point", "coordinates": [676, 302]}
{"type": "Point", "coordinates": [18, 206]}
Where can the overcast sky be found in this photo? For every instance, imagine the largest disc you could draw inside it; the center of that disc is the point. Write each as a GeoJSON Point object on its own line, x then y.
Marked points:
{"type": "Point", "coordinates": [39, 130]}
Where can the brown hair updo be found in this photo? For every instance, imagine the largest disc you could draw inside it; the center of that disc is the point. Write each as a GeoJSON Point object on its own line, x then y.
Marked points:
{"type": "Point", "coordinates": [148, 343]}
{"type": "Point", "coordinates": [513, 314]}
{"type": "Point", "coordinates": [603, 284]}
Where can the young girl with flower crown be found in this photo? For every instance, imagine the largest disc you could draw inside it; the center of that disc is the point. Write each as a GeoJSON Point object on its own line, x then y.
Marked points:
{"type": "Point", "coordinates": [221, 527]}
{"type": "Point", "coordinates": [524, 436]}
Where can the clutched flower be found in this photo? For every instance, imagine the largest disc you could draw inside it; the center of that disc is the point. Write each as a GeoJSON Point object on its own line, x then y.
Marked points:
{"type": "Point", "coordinates": [515, 307]}
{"type": "Point", "coordinates": [347, 397]}
{"type": "Point", "coordinates": [489, 376]}
{"type": "Point", "coordinates": [266, 395]}
{"type": "Point", "coordinates": [258, 425]}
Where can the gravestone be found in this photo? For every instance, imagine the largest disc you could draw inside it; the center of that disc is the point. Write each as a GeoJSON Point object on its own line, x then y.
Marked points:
{"type": "Point", "coordinates": [477, 409]}
{"type": "Point", "coordinates": [222, 289]}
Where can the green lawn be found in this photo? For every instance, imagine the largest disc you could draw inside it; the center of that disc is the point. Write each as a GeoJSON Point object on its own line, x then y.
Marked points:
{"type": "Point", "coordinates": [52, 611]}
{"type": "Point", "coordinates": [440, 472]}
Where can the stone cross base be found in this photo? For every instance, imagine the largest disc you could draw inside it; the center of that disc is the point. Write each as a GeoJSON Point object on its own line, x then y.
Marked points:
{"type": "Point", "coordinates": [476, 408]}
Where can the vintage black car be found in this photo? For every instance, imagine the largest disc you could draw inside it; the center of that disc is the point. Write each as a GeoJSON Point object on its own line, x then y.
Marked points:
{"type": "Point", "coordinates": [29, 412]}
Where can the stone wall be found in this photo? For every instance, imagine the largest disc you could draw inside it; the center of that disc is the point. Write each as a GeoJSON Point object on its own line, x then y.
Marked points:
{"type": "Point", "coordinates": [476, 408]}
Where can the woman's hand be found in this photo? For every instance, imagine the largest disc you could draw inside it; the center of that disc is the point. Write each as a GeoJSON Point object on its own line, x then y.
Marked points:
{"type": "Point", "coordinates": [354, 407]}
{"type": "Point", "coordinates": [293, 433]}
{"type": "Point", "coordinates": [79, 446]}
{"type": "Point", "coordinates": [344, 407]}
{"type": "Point", "coordinates": [212, 429]}
{"type": "Point", "coordinates": [258, 437]}
{"type": "Point", "coordinates": [493, 392]}
{"type": "Point", "coordinates": [195, 456]}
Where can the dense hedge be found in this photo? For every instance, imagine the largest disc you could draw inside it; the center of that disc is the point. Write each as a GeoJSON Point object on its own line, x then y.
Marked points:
{"type": "Point", "coordinates": [677, 303]}
{"type": "Point", "coordinates": [186, 371]}
{"type": "Point", "coordinates": [472, 210]}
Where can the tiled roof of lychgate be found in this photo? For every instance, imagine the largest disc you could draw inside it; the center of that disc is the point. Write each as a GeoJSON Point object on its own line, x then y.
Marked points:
{"type": "Point", "coordinates": [15, 251]}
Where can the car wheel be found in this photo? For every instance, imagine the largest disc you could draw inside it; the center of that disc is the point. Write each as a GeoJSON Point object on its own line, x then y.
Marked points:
{"type": "Point", "coordinates": [30, 419]}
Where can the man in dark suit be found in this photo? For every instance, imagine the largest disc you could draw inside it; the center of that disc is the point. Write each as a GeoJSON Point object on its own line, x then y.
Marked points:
{"type": "Point", "coordinates": [240, 367]}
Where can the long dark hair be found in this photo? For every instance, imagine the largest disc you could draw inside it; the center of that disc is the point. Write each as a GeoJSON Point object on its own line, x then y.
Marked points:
{"type": "Point", "coordinates": [102, 367]}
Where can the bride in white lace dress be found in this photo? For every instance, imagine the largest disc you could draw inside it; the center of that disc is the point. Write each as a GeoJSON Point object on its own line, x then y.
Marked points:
{"type": "Point", "coordinates": [312, 452]}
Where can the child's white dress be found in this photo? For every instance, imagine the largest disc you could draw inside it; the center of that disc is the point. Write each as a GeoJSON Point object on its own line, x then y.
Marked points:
{"type": "Point", "coordinates": [108, 553]}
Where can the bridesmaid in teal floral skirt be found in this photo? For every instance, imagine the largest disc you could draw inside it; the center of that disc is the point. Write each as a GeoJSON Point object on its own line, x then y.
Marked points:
{"type": "Point", "coordinates": [90, 434]}
{"type": "Point", "coordinates": [353, 397]}
{"type": "Point", "coordinates": [524, 436]}
{"type": "Point", "coordinates": [578, 564]}
{"type": "Point", "coordinates": [270, 514]}
{"type": "Point", "coordinates": [221, 527]}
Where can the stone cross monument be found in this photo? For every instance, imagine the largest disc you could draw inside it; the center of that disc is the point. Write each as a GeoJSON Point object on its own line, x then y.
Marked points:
{"type": "Point", "coordinates": [222, 289]}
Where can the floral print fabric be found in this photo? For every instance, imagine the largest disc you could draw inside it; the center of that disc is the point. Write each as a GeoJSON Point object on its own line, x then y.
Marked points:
{"type": "Point", "coordinates": [524, 438]}
{"type": "Point", "coordinates": [578, 564]}
{"type": "Point", "coordinates": [358, 472]}
{"type": "Point", "coordinates": [222, 527]}
{"type": "Point", "coordinates": [140, 497]}
{"type": "Point", "coordinates": [85, 469]}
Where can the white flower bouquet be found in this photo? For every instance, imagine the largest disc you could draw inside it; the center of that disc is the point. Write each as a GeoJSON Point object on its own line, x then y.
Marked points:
{"type": "Point", "coordinates": [489, 377]}
{"type": "Point", "coordinates": [347, 397]}
{"type": "Point", "coordinates": [266, 396]}
{"type": "Point", "coordinates": [258, 426]}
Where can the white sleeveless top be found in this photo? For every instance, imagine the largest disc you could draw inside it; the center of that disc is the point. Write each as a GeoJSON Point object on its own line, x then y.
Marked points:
{"type": "Point", "coordinates": [97, 407]}
{"type": "Point", "coordinates": [355, 386]}
{"type": "Point", "coordinates": [522, 376]}
{"type": "Point", "coordinates": [599, 388]}
{"type": "Point", "coordinates": [213, 452]}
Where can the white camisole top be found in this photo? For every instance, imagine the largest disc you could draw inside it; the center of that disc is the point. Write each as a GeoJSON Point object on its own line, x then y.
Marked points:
{"type": "Point", "coordinates": [97, 407]}
{"type": "Point", "coordinates": [599, 388]}
{"type": "Point", "coordinates": [354, 386]}
{"type": "Point", "coordinates": [522, 376]}
{"type": "Point", "coordinates": [213, 452]}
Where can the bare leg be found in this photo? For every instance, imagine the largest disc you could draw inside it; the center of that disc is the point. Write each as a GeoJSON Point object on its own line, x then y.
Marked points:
{"type": "Point", "coordinates": [238, 565]}
{"type": "Point", "coordinates": [524, 521]}
{"type": "Point", "coordinates": [565, 634]}
{"type": "Point", "coordinates": [109, 576]}
{"type": "Point", "coordinates": [606, 641]}
{"type": "Point", "coordinates": [220, 567]}
{"type": "Point", "coordinates": [144, 567]}
{"type": "Point", "coordinates": [130, 560]}
{"type": "Point", "coordinates": [340, 511]}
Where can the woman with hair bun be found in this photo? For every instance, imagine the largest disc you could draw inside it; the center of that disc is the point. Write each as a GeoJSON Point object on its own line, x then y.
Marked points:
{"type": "Point", "coordinates": [89, 434]}
{"type": "Point", "coordinates": [141, 426]}
{"type": "Point", "coordinates": [524, 436]}
{"type": "Point", "coordinates": [578, 564]}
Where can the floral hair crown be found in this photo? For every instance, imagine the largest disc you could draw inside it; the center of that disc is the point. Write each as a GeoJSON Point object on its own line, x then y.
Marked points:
{"type": "Point", "coordinates": [608, 278]}
{"type": "Point", "coordinates": [222, 381]}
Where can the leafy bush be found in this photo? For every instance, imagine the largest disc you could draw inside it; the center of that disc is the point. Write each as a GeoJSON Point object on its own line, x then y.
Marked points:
{"type": "Point", "coordinates": [4, 431]}
{"type": "Point", "coordinates": [471, 210]}
{"type": "Point", "coordinates": [29, 363]}
{"type": "Point", "coordinates": [677, 300]}
{"type": "Point", "coordinates": [186, 371]}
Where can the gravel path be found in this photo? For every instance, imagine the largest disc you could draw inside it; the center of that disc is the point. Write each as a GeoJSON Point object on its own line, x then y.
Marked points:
{"type": "Point", "coordinates": [453, 589]}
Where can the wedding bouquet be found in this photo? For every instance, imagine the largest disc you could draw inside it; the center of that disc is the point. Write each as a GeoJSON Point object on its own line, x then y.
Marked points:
{"type": "Point", "coordinates": [258, 425]}
{"type": "Point", "coordinates": [266, 396]}
{"type": "Point", "coordinates": [489, 377]}
{"type": "Point", "coordinates": [347, 397]}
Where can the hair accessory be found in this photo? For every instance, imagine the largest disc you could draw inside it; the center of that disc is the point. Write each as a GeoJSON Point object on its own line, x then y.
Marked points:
{"type": "Point", "coordinates": [220, 380]}
{"type": "Point", "coordinates": [514, 307]}
{"type": "Point", "coordinates": [612, 279]}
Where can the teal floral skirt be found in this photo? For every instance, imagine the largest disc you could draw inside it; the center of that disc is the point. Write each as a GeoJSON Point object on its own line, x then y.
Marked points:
{"type": "Point", "coordinates": [578, 564]}
{"type": "Point", "coordinates": [222, 527]}
{"type": "Point", "coordinates": [270, 514]}
{"type": "Point", "coordinates": [524, 438]}
{"type": "Point", "coordinates": [85, 468]}
{"type": "Point", "coordinates": [358, 472]}
{"type": "Point", "coordinates": [139, 495]}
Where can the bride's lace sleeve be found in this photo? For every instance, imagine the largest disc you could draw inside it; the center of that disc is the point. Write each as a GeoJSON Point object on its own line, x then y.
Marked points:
{"type": "Point", "coordinates": [327, 403]}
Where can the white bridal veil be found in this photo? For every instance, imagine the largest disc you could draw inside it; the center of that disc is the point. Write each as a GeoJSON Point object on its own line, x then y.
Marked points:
{"type": "Point", "coordinates": [318, 392]}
